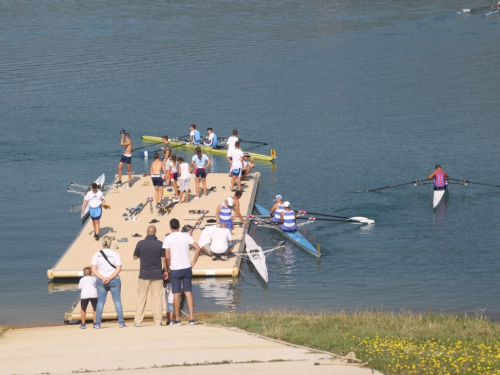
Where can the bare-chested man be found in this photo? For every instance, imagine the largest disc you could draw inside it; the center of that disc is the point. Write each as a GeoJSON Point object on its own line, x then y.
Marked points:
{"type": "Point", "coordinates": [167, 151]}
{"type": "Point", "coordinates": [126, 158]}
{"type": "Point", "coordinates": [157, 167]}
{"type": "Point", "coordinates": [236, 206]}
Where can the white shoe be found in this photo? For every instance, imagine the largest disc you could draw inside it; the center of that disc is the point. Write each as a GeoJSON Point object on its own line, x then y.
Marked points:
{"type": "Point", "coordinates": [196, 198]}
{"type": "Point", "coordinates": [206, 196]}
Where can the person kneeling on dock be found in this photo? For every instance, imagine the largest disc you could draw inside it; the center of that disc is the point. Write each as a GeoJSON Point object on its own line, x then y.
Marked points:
{"type": "Point", "coordinates": [179, 267]}
{"type": "Point", "coordinates": [94, 198]}
{"type": "Point", "coordinates": [221, 245]}
{"type": "Point", "coordinates": [288, 219]}
{"type": "Point", "coordinates": [224, 213]}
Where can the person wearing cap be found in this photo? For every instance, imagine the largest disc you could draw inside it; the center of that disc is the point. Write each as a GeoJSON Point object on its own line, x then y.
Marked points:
{"type": "Point", "coordinates": [287, 219]}
{"type": "Point", "coordinates": [248, 165]}
{"type": "Point", "coordinates": [277, 209]}
{"type": "Point", "coordinates": [224, 213]}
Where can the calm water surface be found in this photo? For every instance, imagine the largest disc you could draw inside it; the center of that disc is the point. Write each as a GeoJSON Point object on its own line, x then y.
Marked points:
{"type": "Point", "coordinates": [350, 98]}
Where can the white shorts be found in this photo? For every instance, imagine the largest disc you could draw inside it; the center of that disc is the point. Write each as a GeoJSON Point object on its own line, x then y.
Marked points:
{"type": "Point", "coordinates": [184, 184]}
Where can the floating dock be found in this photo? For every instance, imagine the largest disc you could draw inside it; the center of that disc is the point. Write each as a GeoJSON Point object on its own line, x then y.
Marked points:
{"type": "Point", "coordinates": [113, 223]}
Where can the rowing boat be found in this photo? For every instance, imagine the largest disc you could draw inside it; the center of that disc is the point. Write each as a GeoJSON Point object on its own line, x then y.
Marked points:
{"type": "Point", "coordinates": [296, 236]}
{"type": "Point", "coordinates": [493, 12]}
{"type": "Point", "coordinates": [205, 149]}
{"type": "Point", "coordinates": [438, 197]}
{"type": "Point", "coordinates": [100, 185]}
{"type": "Point", "coordinates": [256, 256]}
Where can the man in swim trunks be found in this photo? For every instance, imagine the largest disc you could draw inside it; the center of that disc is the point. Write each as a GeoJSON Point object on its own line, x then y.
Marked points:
{"type": "Point", "coordinates": [126, 158]}
{"type": "Point", "coordinates": [224, 214]}
{"type": "Point", "coordinates": [95, 199]}
{"type": "Point", "coordinates": [156, 168]}
{"type": "Point", "coordinates": [167, 151]}
{"type": "Point", "coordinates": [236, 206]}
{"type": "Point", "coordinates": [194, 135]}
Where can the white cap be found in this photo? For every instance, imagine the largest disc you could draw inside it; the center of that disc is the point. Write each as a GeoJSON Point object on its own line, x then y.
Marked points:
{"type": "Point", "coordinates": [278, 197]}
{"type": "Point", "coordinates": [229, 201]}
{"type": "Point", "coordinates": [286, 204]}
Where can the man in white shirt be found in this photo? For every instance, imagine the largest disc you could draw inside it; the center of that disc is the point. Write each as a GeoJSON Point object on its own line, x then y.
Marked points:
{"type": "Point", "coordinates": [230, 146]}
{"type": "Point", "coordinates": [95, 199]}
{"type": "Point", "coordinates": [221, 243]}
{"type": "Point", "coordinates": [236, 165]}
{"type": "Point", "coordinates": [179, 267]}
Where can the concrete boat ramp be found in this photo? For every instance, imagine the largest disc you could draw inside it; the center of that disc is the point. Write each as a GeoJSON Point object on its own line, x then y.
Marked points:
{"type": "Point", "coordinates": [113, 223]}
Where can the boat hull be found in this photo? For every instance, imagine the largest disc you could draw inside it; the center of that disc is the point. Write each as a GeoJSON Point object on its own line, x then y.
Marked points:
{"type": "Point", "coordinates": [496, 11]}
{"type": "Point", "coordinates": [438, 197]}
{"type": "Point", "coordinates": [100, 185]}
{"type": "Point", "coordinates": [205, 149]}
{"type": "Point", "coordinates": [256, 256]}
{"type": "Point", "coordinates": [297, 238]}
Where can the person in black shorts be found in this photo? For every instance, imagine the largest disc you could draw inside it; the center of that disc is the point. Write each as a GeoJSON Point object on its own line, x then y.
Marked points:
{"type": "Point", "coordinates": [88, 294]}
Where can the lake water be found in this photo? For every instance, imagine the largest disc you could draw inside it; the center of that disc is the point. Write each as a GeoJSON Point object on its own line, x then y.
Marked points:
{"type": "Point", "coordinates": [351, 98]}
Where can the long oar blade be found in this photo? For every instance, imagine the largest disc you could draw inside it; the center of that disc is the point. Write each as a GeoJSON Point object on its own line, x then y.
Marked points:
{"type": "Point", "coordinates": [356, 219]}
{"type": "Point", "coordinates": [392, 186]}
{"type": "Point", "coordinates": [465, 182]}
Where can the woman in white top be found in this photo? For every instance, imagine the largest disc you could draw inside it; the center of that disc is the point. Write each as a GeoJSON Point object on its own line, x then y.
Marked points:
{"type": "Point", "coordinates": [184, 171]}
{"type": "Point", "coordinates": [200, 163]}
{"type": "Point", "coordinates": [106, 266]}
{"type": "Point", "coordinates": [171, 167]}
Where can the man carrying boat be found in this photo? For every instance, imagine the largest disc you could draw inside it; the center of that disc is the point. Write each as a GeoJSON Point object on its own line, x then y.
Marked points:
{"type": "Point", "coordinates": [194, 135]}
{"type": "Point", "coordinates": [212, 139]}
{"type": "Point", "coordinates": [94, 198]}
{"type": "Point", "coordinates": [126, 158]}
{"type": "Point", "coordinates": [440, 178]}
{"type": "Point", "coordinates": [287, 219]}
{"type": "Point", "coordinates": [224, 214]}
{"type": "Point", "coordinates": [156, 168]}
{"type": "Point", "coordinates": [277, 209]}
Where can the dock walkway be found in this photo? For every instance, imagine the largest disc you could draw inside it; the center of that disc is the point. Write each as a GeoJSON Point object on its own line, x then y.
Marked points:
{"type": "Point", "coordinates": [113, 223]}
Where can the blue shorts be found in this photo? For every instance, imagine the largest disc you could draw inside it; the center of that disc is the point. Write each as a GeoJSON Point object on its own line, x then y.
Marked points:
{"type": "Point", "coordinates": [181, 277]}
{"type": "Point", "coordinates": [236, 172]}
{"type": "Point", "coordinates": [229, 223]}
{"type": "Point", "coordinates": [173, 176]}
{"type": "Point", "coordinates": [126, 159]}
{"type": "Point", "coordinates": [157, 181]}
{"type": "Point", "coordinates": [95, 213]}
{"type": "Point", "coordinates": [170, 306]}
{"type": "Point", "coordinates": [201, 172]}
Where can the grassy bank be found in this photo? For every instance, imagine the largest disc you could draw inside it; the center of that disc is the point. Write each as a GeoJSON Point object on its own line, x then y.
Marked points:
{"type": "Point", "coordinates": [393, 343]}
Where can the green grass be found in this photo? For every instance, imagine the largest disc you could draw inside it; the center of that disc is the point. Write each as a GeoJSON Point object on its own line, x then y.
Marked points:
{"type": "Point", "coordinates": [393, 343]}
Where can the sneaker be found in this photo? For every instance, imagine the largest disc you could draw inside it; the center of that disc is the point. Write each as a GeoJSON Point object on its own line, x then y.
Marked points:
{"type": "Point", "coordinates": [196, 198]}
{"type": "Point", "coordinates": [96, 236]}
{"type": "Point", "coordinates": [121, 325]}
{"type": "Point", "coordinates": [191, 321]}
{"type": "Point", "coordinates": [169, 322]}
{"type": "Point", "coordinates": [177, 323]}
{"type": "Point", "coordinates": [137, 325]}
{"type": "Point", "coordinates": [158, 205]}
{"type": "Point", "coordinates": [83, 326]}
{"type": "Point", "coordinates": [223, 257]}
{"type": "Point", "coordinates": [175, 200]}
{"type": "Point", "coordinates": [97, 326]}
{"type": "Point", "coordinates": [214, 257]}
{"type": "Point", "coordinates": [119, 182]}
{"type": "Point", "coordinates": [205, 196]}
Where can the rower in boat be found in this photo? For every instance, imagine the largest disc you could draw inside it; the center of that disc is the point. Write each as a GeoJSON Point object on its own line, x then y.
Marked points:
{"type": "Point", "coordinates": [276, 210]}
{"type": "Point", "coordinates": [212, 139]}
{"type": "Point", "coordinates": [194, 135]}
{"type": "Point", "coordinates": [224, 213]}
{"type": "Point", "coordinates": [287, 219]}
{"type": "Point", "coordinates": [440, 178]}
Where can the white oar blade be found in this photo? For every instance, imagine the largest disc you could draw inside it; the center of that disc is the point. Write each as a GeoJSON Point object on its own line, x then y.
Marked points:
{"type": "Point", "coordinates": [363, 220]}
{"type": "Point", "coordinates": [466, 10]}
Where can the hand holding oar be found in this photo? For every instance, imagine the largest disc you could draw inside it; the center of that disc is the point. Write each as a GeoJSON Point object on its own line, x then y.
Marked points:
{"type": "Point", "coordinates": [357, 218]}
{"type": "Point", "coordinates": [465, 182]}
{"type": "Point", "coordinates": [391, 186]}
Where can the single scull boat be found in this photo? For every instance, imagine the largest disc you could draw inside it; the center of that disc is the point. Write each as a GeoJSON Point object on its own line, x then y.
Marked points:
{"type": "Point", "coordinates": [438, 197]}
{"type": "Point", "coordinates": [256, 256]}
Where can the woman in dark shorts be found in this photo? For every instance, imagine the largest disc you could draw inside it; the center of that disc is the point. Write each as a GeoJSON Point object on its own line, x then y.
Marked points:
{"type": "Point", "coordinates": [200, 163]}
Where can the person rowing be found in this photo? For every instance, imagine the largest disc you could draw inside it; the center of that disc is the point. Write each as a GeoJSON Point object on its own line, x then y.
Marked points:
{"type": "Point", "coordinates": [194, 135]}
{"type": "Point", "coordinates": [440, 178]}
{"type": "Point", "coordinates": [277, 209]}
{"type": "Point", "coordinates": [212, 139]}
{"type": "Point", "coordinates": [287, 219]}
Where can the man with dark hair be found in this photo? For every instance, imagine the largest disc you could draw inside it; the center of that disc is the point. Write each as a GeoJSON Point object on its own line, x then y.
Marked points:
{"type": "Point", "coordinates": [167, 148]}
{"type": "Point", "coordinates": [156, 168]}
{"type": "Point", "coordinates": [440, 178]}
{"type": "Point", "coordinates": [179, 267]}
{"type": "Point", "coordinates": [126, 158]}
{"type": "Point", "coordinates": [236, 206]}
{"type": "Point", "coordinates": [194, 135]}
{"type": "Point", "coordinates": [152, 261]}
{"type": "Point", "coordinates": [212, 139]}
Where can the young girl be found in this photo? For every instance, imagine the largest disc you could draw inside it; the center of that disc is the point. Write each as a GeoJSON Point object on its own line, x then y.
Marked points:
{"type": "Point", "coordinates": [171, 166]}
{"type": "Point", "coordinates": [185, 174]}
{"type": "Point", "coordinates": [169, 300]}
{"type": "Point", "coordinates": [89, 294]}
{"type": "Point", "coordinates": [200, 163]}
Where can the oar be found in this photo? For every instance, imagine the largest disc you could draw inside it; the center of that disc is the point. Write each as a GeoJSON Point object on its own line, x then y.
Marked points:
{"type": "Point", "coordinates": [317, 213]}
{"type": "Point", "coordinates": [152, 144]}
{"type": "Point", "coordinates": [391, 186]}
{"type": "Point", "coordinates": [362, 221]}
{"type": "Point", "coordinates": [200, 220]}
{"type": "Point", "coordinates": [478, 8]}
{"type": "Point", "coordinates": [473, 182]}
{"type": "Point", "coordinates": [241, 140]}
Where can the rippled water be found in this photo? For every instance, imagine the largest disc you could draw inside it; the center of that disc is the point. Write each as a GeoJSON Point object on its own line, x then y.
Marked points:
{"type": "Point", "coordinates": [350, 98]}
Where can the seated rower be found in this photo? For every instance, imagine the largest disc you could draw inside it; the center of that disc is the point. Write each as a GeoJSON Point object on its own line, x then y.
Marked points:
{"type": "Point", "coordinates": [194, 135]}
{"type": "Point", "coordinates": [212, 139]}
{"type": "Point", "coordinates": [288, 219]}
{"type": "Point", "coordinates": [224, 213]}
{"type": "Point", "coordinates": [439, 177]}
{"type": "Point", "coordinates": [276, 210]}
{"type": "Point", "coordinates": [248, 165]}
{"type": "Point", "coordinates": [221, 243]}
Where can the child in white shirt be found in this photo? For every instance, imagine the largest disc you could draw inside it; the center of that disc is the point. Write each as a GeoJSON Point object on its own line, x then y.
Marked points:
{"type": "Point", "coordinates": [88, 294]}
{"type": "Point", "coordinates": [169, 300]}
